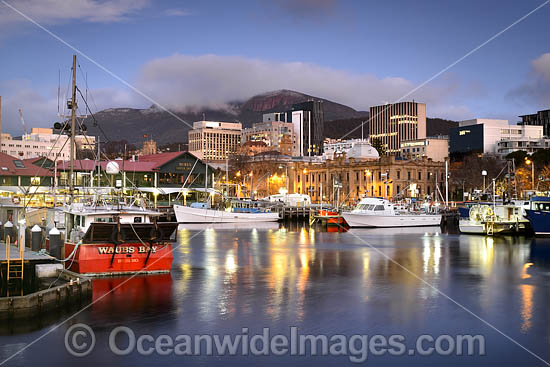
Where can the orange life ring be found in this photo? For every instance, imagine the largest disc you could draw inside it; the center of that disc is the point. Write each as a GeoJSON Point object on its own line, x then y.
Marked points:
{"type": "Point", "coordinates": [16, 200]}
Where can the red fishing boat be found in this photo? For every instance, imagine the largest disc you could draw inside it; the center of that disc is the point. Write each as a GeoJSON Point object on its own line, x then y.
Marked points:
{"type": "Point", "coordinates": [108, 241]}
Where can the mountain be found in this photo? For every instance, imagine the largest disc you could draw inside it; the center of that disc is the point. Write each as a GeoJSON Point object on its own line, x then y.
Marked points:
{"type": "Point", "coordinates": [132, 124]}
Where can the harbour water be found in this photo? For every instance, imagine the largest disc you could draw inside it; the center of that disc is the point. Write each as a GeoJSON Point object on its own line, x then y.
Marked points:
{"type": "Point", "coordinates": [408, 282]}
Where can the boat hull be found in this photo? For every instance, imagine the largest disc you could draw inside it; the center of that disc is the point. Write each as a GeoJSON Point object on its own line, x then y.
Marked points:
{"type": "Point", "coordinates": [129, 258]}
{"type": "Point", "coordinates": [185, 214]}
{"type": "Point", "coordinates": [540, 221]}
{"type": "Point", "coordinates": [417, 220]}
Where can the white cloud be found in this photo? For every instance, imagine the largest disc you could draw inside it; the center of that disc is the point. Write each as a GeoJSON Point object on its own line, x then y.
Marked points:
{"type": "Point", "coordinates": [176, 12]}
{"type": "Point", "coordinates": [180, 82]}
{"type": "Point", "coordinates": [541, 66]}
{"type": "Point", "coordinates": [536, 89]}
{"type": "Point", "coordinates": [58, 11]}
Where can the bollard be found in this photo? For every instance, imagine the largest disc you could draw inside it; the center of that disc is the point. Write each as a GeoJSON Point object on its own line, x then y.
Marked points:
{"type": "Point", "coordinates": [8, 231]}
{"type": "Point", "coordinates": [55, 243]}
{"type": "Point", "coordinates": [36, 238]}
{"type": "Point", "coordinates": [21, 235]}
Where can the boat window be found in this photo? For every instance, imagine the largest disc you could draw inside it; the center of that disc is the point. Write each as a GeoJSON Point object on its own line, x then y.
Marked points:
{"type": "Point", "coordinates": [543, 206]}
{"type": "Point", "coordinates": [379, 207]}
{"type": "Point", "coordinates": [137, 219]}
{"type": "Point", "coordinates": [371, 207]}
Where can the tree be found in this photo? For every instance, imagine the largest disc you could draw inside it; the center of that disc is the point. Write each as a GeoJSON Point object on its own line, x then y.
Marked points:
{"type": "Point", "coordinates": [541, 157]}
{"type": "Point", "coordinates": [518, 157]}
{"type": "Point", "coordinates": [377, 144]}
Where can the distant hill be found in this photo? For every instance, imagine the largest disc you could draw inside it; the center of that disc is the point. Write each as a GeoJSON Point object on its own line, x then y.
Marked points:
{"type": "Point", "coordinates": [132, 124]}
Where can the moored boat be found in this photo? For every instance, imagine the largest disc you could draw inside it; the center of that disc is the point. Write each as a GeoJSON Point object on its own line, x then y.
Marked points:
{"type": "Point", "coordinates": [201, 213]}
{"type": "Point", "coordinates": [112, 241]}
{"type": "Point", "coordinates": [539, 215]}
{"type": "Point", "coordinates": [379, 212]}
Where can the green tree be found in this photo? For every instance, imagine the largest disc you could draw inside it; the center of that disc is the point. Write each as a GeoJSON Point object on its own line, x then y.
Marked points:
{"type": "Point", "coordinates": [377, 144]}
{"type": "Point", "coordinates": [518, 157]}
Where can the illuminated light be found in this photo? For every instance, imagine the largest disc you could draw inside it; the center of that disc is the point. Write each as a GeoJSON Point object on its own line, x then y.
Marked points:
{"type": "Point", "coordinates": [524, 274]}
{"type": "Point", "coordinates": [464, 132]}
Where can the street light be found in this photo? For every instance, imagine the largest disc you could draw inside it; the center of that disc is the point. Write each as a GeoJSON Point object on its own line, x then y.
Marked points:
{"type": "Point", "coordinates": [484, 173]}
{"type": "Point", "coordinates": [369, 174]}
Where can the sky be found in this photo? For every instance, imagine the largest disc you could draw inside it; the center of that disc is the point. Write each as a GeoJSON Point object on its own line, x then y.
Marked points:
{"type": "Point", "coordinates": [184, 55]}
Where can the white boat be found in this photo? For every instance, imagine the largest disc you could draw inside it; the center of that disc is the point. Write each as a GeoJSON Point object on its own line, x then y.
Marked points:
{"type": "Point", "coordinates": [496, 219]}
{"type": "Point", "coordinates": [198, 214]}
{"type": "Point", "coordinates": [379, 212]}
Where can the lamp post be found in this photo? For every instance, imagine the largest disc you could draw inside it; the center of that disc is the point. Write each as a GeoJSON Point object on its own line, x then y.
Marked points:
{"type": "Point", "coordinates": [532, 164]}
{"type": "Point", "coordinates": [251, 185]}
{"type": "Point", "coordinates": [368, 173]}
{"type": "Point", "coordinates": [484, 173]}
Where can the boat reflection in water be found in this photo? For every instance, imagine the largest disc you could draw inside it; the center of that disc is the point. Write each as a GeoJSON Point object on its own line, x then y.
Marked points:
{"type": "Point", "coordinates": [117, 297]}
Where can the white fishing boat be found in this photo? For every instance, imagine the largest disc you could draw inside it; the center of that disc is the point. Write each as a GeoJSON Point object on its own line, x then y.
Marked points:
{"type": "Point", "coordinates": [379, 212]}
{"type": "Point", "coordinates": [495, 219]}
{"type": "Point", "coordinates": [201, 213]}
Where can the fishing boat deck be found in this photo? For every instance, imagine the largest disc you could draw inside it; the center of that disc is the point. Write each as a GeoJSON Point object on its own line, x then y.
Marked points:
{"type": "Point", "coordinates": [14, 254]}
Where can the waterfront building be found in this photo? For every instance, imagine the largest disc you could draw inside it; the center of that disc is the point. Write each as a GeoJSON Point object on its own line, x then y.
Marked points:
{"type": "Point", "coordinates": [435, 148]}
{"type": "Point", "coordinates": [164, 170]}
{"type": "Point", "coordinates": [214, 141]}
{"type": "Point", "coordinates": [42, 142]}
{"type": "Point", "coordinates": [541, 118]}
{"type": "Point", "coordinates": [393, 123]}
{"type": "Point", "coordinates": [483, 135]}
{"type": "Point", "coordinates": [274, 133]}
{"type": "Point", "coordinates": [346, 178]}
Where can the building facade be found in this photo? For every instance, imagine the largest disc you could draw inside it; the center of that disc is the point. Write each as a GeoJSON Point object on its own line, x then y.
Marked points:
{"type": "Point", "coordinates": [352, 148]}
{"type": "Point", "coordinates": [308, 126]}
{"type": "Point", "coordinates": [435, 148]}
{"type": "Point", "coordinates": [393, 123]}
{"type": "Point", "coordinates": [529, 145]}
{"type": "Point", "coordinates": [214, 141]}
{"type": "Point", "coordinates": [149, 147]}
{"type": "Point", "coordinates": [42, 142]}
{"type": "Point", "coordinates": [483, 135]}
{"type": "Point", "coordinates": [541, 118]}
{"type": "Point", "coordinates": [274, 133]}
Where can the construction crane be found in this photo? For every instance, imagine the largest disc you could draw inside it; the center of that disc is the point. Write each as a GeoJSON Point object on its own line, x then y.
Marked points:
{"type": "Point", "coordinates": [22, 121]}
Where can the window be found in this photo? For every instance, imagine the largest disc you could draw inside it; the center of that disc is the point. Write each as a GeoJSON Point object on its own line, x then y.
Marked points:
{"type": "Point", "coordinates": [419, 175]}
{"type": "Point", "coordinates": [35, 181]}
{"type": "Point", "coordinates": [408, 175]}
{"type": "Point", "coordinates": [379, 207]}
{"type": "Point", "coordinates": [18, 163]}
{"type": "Point", "coordinates": [398, 176]}
{"type": "Point", "coordinates": [138, 219]}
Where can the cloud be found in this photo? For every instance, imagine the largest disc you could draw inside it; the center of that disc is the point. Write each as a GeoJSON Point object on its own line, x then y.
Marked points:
{"type": "Point", "coordinates": [536, 89]}
{"type": "Point", "coordinates": [176, 13]}
{"type": "Point", "coordinates": [183, 82]}
{"type": "Point", "coordinates": [59, 11]}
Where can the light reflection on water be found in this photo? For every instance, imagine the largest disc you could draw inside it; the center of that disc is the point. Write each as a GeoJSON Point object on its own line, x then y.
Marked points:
{"type": "Point", "coordinates": [226, 277]}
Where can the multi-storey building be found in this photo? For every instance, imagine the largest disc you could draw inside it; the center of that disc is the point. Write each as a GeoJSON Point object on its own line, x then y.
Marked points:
{"type": "Point", "coordinates": [393, 123]}
{"type": "Point", "coordinates": [273, 133]}
{"type": "Point", "coordinates": [213, 140]}
{"type": "Point", "coordinates": [483, 135]}
{"type": "Point", "coordinates": [435, 148]}
{"type": "Point", "coordinates": [541, 118]}
{"type": "Point", "coordinates": [42, 142]}
{"type": "Point", "coordinates": [308, 126]}
{"type": "Point", "coordinates": [149, 147]}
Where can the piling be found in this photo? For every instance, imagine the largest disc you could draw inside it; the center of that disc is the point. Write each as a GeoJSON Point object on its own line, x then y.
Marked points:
{"type": "Point", "coordinates": [36, 238]}
{"type": "Point", "coordinates": [8, 230]}
{"type": "Point", "coordinates": [55, 243]}
{"type": "Point", "coordinates": [22, 229]}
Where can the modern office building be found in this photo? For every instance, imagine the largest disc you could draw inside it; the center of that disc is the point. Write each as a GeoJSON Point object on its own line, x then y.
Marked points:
{"type": "Point", "coordinates": [541, 118]}
{"type": "Point", "coordinates": [483, 135]}
{"type": "Point", "coordinates": [274, 133]}
{"type": "Point", "coordinates": [214, 140]}
{"type": "Point", "coordinates": [393, 123]}
{"type": "Point", "coordinates": [308, 126]}
{"type": "Point", "coordinates": [435, 148]}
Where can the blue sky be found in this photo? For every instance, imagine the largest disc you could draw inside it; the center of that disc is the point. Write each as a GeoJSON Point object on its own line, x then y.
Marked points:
{"type": "Point", "coordinates": [187, 54]}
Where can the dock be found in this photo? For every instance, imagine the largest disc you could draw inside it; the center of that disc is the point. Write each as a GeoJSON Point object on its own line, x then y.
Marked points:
{"type": "Point", "coordinates": [28, 254]}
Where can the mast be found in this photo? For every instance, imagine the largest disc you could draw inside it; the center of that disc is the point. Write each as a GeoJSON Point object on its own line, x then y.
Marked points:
{"type": "Point", "coordinates": [73, 130]}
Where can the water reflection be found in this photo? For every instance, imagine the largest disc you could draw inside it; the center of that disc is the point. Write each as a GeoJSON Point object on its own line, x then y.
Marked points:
{"type": "Point", "coordinates": [226, 277]}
